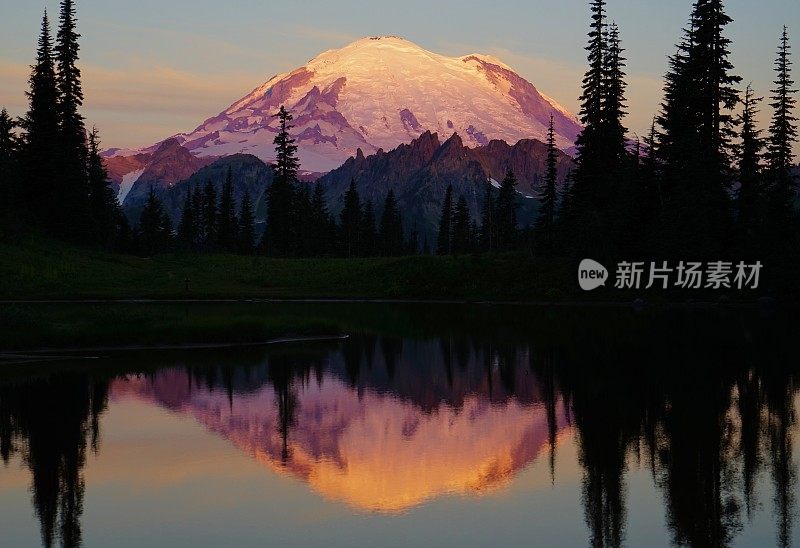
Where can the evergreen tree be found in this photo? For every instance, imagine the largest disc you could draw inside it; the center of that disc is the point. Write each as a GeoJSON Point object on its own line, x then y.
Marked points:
{"type": "Point", "coordinates": [321, 221]}
{"type": "Point", "coordinates": [391, 229]}
{"type": "Point", "coordinates": [783, 130]}
{"type": "Point", "coordinates": [696, 141]}
{"type": "Point", "coordinates": [103, 206]}
{"type": "Point", "coordinates": [199, 228]}
{"type": "Point", "coordinates": [350, 219]}
{"type": "Point", "coordinates": [247, 225]}
{"type": "Point", "coordinates": [506, 213]}
{"type": "Point", "coordinates": [9, 172]}
{"type": "Point", "coordinates": [187, 235]}
{"type": "Point", "coordinates": [155, 229]}
{"type": "Point", "coordinates": [280, 195]}
{"type": "Point", "coordinates": [412, 244]}
{"type": "Point", "coordinates": [71, 186]}
{"type": "Point", "coordinates": [545, 224]}
{"type": "Point", "coordinates": [41, 138]}
{"type": "Point", "coordinates": [227, 223]}
{"type": "Point", "coordinates": [286, 162]}
{"type": "Point", "coordinates": [210, 215]}
{"type": "Point", "coordinates": [591, 111]}
{"type": "Point", "coordinates": [717, 95]}
{"type": "Point", "coordinates": [444, 241]}
{"type": "Point", "coordinates": [614, 86]}
{"type": "Point", "coordinates": [488, 229]}
{"type": "Point", "coordinates": [462, 228]}
{"type": "Point", "coordinates": [302, 221]}
{"type": "Point", "coordinates": [368, 238]}
{"type": "Point", "coordinates": [749, 164]}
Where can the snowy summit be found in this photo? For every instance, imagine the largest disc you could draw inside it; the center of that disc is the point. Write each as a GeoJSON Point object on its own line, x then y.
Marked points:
{"type": "Point", "coordinates": [380, 92]}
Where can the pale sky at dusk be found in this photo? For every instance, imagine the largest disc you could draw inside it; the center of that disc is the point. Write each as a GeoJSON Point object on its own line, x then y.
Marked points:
{"type": "Point", "coordinates": [153, 68]}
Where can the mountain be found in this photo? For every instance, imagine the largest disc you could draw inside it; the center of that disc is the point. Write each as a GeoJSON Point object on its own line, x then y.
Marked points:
{"type": "Point", "coordinates": [378, 93]}
{"type": "Point", "coordinates": [248, 173]}
{"type": "Point", "coordinates": [168, 164]}
{"type": "Point", "coordinates": [420, 172]}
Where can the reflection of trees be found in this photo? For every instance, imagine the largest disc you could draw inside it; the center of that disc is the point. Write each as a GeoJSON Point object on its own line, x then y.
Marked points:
{"type": "Point", "coordinates": [49, 423]}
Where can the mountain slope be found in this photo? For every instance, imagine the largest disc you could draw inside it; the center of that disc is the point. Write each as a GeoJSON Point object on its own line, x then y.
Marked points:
{"type": "Point", "coordinates": [420, 172]}
{"type": "Point", "coordinates": [378, 93]}
{"type": "Point", "coordinates": [169, 164]}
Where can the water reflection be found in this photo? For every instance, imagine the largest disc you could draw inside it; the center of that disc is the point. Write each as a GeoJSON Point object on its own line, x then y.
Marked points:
{"type": "Point", "coordinates": [387, 421]}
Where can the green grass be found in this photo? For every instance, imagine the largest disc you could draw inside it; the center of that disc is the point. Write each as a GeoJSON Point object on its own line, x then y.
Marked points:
{"type": "Point", "coordinates": [39, 269]}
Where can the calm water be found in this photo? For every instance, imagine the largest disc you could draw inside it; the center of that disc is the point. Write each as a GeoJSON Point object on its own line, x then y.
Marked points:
{"type": "Point", "coordinates": [440, 426]}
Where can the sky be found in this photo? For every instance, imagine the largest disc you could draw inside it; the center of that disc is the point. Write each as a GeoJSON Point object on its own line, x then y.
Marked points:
{"type": "Point", "coordinates": [153, 68]}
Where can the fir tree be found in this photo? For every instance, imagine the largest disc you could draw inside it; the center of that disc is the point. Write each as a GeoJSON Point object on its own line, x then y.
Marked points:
{"type": "Point", "coordinates": [350, 219]}
{"type": "Point", "coordinates": [696, 140]}
{"type": "Point", "coordinates": [226, 217]}
{"type": "Point", "coordinates": [462, 228]}
{"type": "Point", "coordinates": [155, 229]}
{"type": "Point", "coordinates": [545, 224]}
{"type": "Point", "coordinates": [488, 229]}
{"type": "Point", "coordinates": [41, 138]}
{"type": "Point", "coordinates": [506, 213]}
{"type": "Point", "coordinates": [302, 221]}
{"type": "Point", "coordinates": [187, 235]}
{"type": "Point", "coordinates": [210, 215]}
{"type": "Point", "coordinates": [750, 152]}
{"type": "Point", "coordinates": [321, 221]}
{"type": "Point", "coordinates": [103, 205]}
{"type": "Point", "coordinates": [783, 130]}
{"type": "Point", "coordinates": [589, 142]}
{"type": "Point", "coordinates": [247, 225]}
{"type": "Point", "coordinates": [197, 215]}
{"type": "Point", "coordinates": [717, 95]}
{"type": "Point", "coordinates": [69, 83]}
{"type": "Point", "coordinates": [412, 244]}
{"type": "Point", "coordinates": [444, 241]}
{"type": "Point", "coordinates": [9, 172]}
{"type": "Point", "coordinates": [614, 86]}
{"type": "Point", "coordinates": [391, 229]}
{"type": "Point", "coordinates": [71, 185]}
{"type": "Point", "coordinates": [368, 238]}
{"type": "Point", "coordinates": [286, 162]}
{"type": "Point", "coordinates": [280, 195]}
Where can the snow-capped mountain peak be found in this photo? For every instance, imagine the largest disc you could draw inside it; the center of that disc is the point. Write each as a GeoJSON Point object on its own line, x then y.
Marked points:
{"type": "Point", "coordinates": [380, 92]}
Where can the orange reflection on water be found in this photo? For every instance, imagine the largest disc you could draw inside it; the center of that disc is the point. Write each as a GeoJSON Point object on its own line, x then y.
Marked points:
{"type": "Point", "coordinates": [372, 451]}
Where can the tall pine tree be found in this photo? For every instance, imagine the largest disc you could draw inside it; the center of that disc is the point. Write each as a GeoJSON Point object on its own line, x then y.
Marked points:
{"type": "Point", "coordinates": [462, 228]}
{"type": "Point", "coordinates": [280, 195]}
{"type": "Point", "coordinates": [71, 185]}
{"type": "Point", "coordinates": [545, 224]}
{"type": "Point", "coordinates": [187, 227]}
{"type": "Point", "coordinates": [750, 151]}
{"type": "Point", "coordinates": [444, 240]}
{"type": "Point", "coordinates": [41, 137]}
{"type": "Point", "coordinates": [210, 216]}
{"type": "Point", "coordinates": [350, 219]}
{"type": "Point", "coordinates": [227, 223]}
{"type": "Point", "coordinates": [391, 229]}
{"type": "Point", "coordinates": [104, 209]}
{"type": "Point", "coordinates": [506, 213]}
{"type": "Point", "coordinates": [247, 225]}
{"type": "Point", "coordinates": [783, 130]}
{"type": "Point", "coordinates": [368, 238]}
{"type": "Point", "coordinates": [9, 172]}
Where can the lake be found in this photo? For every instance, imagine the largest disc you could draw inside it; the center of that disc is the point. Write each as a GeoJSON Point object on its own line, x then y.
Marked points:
{"type": "Point", "coordinates": [416, 425]}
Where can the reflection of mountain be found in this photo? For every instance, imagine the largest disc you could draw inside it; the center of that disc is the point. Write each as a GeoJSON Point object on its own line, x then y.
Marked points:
{"type": "Point", "coordinates": [369, 448]}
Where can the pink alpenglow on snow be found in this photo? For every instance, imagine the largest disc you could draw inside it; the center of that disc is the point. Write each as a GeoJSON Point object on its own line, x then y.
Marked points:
{"type": "Point", "coordinates": [378, 93]}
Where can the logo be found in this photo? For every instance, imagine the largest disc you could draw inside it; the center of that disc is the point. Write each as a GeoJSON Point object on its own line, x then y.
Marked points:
{"type": "Point", "coordinates": [591, 275]}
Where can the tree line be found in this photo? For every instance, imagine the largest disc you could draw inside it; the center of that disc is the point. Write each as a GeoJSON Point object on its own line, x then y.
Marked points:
{"type": "Point", "coordinates": [52, 177]}
{"type": "Point", "coordinates": [704, 183]}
